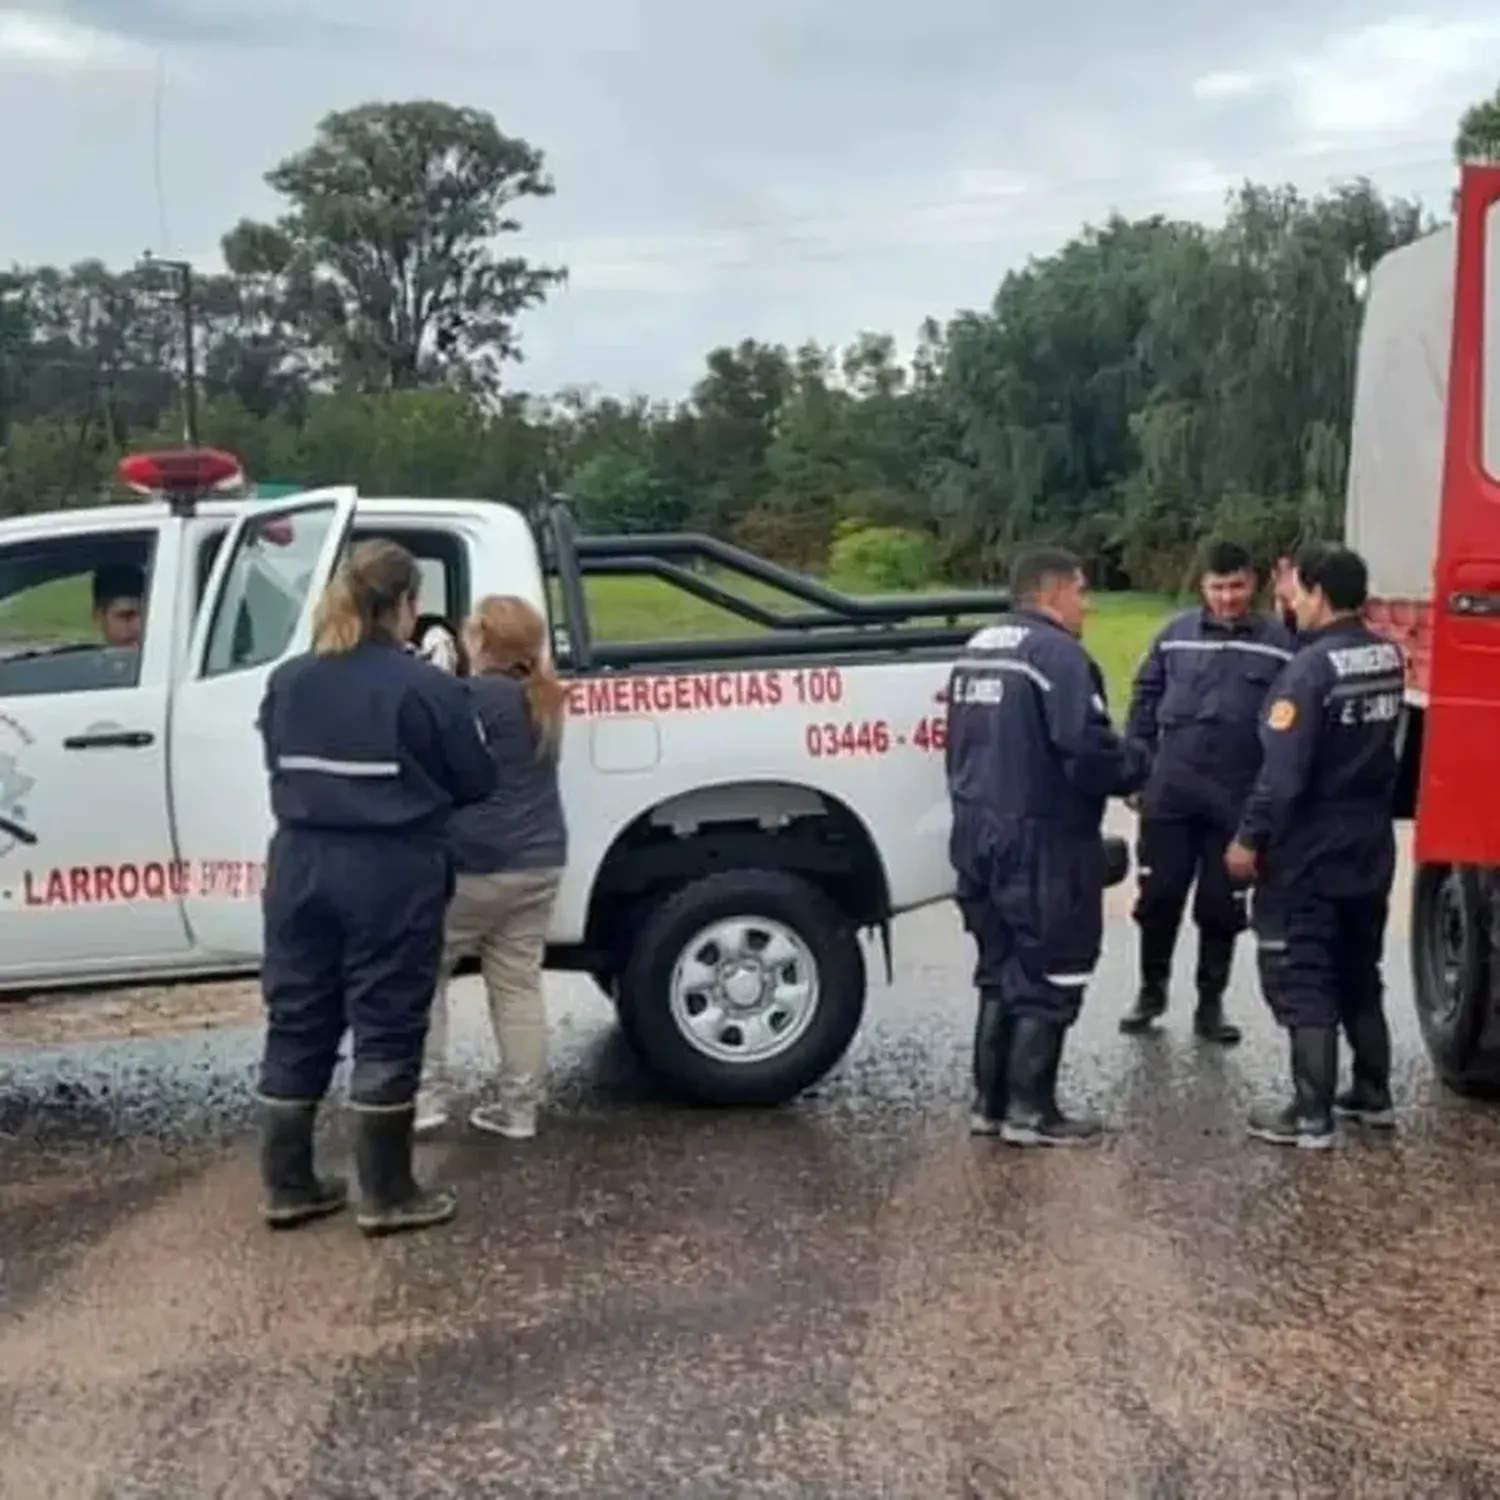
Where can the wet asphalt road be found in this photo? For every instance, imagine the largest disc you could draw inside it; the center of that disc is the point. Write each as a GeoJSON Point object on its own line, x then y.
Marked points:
{"type": "Point", "coordinates": [848, 1298]}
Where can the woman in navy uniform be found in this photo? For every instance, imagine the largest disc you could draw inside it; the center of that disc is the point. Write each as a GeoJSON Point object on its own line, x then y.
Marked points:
{"type": "Point", "coordinates": [369, 749]}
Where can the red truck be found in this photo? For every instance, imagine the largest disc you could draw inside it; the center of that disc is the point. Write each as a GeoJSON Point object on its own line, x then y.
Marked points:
{"type": "Point", "coordinates": [1423, 506]}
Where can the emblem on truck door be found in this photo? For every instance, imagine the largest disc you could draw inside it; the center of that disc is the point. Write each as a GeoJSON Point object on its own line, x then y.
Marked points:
{"type": "Point", "coordinates": [15, 786]}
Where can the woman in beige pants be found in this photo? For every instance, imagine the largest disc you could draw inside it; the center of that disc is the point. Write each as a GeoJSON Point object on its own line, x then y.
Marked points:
{"type": "Point", "coordinates": [509, 851]}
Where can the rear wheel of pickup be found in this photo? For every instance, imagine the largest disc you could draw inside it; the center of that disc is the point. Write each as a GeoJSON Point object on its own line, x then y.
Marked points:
{"type": "Point", "coordinates": [1451, 961]}
{"type": "Point", "coordinates": [743, 988]}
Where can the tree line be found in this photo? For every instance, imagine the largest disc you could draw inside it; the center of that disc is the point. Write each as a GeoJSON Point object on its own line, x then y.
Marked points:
{"type": "Point", "coordinates": [1151, 380]}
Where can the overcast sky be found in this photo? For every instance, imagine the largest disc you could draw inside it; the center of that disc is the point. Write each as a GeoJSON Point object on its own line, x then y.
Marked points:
{"type": "Point", "coordinates": [780, 168]}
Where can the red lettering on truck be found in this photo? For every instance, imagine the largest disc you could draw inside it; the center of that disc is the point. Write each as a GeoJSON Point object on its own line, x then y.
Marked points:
{"type": "Point", "coordinates": [148, 880]}
{"type": "Point", "coordinates": [702, 692]}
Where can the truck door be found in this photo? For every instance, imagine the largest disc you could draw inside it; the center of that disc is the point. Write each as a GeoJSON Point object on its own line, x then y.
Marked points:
{"type": "Point", "coordinates": [257, 611]}
{"type": "Point", "coordinates": [1458, 812]}
{"type": "Point", "coordinates": [86, 647]}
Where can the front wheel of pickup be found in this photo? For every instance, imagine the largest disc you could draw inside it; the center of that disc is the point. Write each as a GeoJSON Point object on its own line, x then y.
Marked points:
{"type": "Point", "coordinates": [743, 988]}
{"type": "Point", "coordinates": [1451, 963]}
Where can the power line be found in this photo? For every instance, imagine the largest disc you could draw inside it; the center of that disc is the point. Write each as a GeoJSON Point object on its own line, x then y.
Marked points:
{"type": "Point", "coordinates": [734, 245]}
{"type": "Point", "coordinates": [792, 241]}
{"type": "Point", "coordinates": [1077, 191]}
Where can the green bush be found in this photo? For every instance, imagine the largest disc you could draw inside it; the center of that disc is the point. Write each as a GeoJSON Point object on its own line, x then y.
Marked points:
{"type": "Point", "coordinates": [882, 559]}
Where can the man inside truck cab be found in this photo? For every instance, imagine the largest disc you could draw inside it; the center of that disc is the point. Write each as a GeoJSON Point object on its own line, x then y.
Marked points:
{"type": "Point", "coordinates": [119, 591]}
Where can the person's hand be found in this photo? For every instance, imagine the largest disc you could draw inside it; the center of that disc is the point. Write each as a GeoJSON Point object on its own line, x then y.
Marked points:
{"type": "Point", "coordinates": [1240, 862]}
{"type": "Point", "coordinates": [1133, 802]}
{"type": "Point", "coordinates": [438, 645]}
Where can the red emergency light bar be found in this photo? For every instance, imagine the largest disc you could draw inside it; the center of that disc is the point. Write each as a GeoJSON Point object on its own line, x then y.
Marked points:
{"type": "Point", "coordinates": [182, 476]}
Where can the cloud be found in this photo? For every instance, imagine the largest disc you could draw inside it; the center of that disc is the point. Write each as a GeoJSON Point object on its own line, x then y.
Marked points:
{"type": "Point", "coordinates": [781, 170]}
{"type": "Point", "coordinates": [1227, 84]}
{"type": "Point", "coordinates": [1399, 79]}
{"type": "Point", "coordinates": [1393, 78]}
{"type": "Point", "coordinates": [639, 264]}
{"type": "Point", "coordinates": [966, 205]}
{"type": "Point", "coordinates": [1194, 178]}
{"type": "Point", "coordinates": [216, 22]}
{"type": "Point", "coordinates": [30, 41]}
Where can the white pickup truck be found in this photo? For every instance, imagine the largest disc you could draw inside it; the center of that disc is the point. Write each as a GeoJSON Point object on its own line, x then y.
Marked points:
{"type": "Point", "coordinates": [740, 809]}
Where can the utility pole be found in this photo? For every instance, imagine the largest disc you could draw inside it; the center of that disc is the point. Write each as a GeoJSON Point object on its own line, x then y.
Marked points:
{"type": "Point", "coordinates": [184, 272]}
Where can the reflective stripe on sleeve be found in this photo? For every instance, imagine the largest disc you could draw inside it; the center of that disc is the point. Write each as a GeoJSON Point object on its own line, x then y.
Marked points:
{"type": "Point", "coordinates": [1258, 648]}
{"type": "Point", "coordinates": [324, 767]}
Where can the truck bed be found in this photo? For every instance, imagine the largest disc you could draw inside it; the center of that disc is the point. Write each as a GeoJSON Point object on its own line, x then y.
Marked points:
{"type": "Point", "coordinates": [832, 627]}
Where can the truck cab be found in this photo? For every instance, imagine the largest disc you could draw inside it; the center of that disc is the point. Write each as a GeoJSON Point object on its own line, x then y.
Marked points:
{"type": "Point", "coordinates": [133, 806]}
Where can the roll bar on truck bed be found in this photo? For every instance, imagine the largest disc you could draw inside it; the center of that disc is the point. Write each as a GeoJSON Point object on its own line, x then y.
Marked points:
{"type": "Point", "coordinates": [834, 623]}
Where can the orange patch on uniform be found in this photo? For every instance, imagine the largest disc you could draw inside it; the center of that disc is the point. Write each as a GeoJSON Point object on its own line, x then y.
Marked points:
{"type": "Point", "coordinates": [1283, 714]}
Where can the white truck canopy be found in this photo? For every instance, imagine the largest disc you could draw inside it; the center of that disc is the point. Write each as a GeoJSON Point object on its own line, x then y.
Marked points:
{"type": "Point", "coordinates": [1400, 403]}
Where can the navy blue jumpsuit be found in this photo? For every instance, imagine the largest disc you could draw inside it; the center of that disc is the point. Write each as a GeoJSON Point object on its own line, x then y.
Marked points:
{"type": "Point", "coordinates": [368, 753]}
{"type": "Point", "coordinates": [1320, 820]}
{"type": "Point", "coordinates": [1031, 759]}
{"type": "Point", "coordinates": [1197, 702]}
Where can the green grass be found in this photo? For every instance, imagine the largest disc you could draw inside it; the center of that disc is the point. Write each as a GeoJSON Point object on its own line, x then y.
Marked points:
{"type": "Point", "coordinates": [60, 611]}
{"type": "Point", "coordinates": [1118, 633]}
{"type": "Point", "coordinates": [645, 609]}
{"type": "Point", "coordinates": [648, 609]}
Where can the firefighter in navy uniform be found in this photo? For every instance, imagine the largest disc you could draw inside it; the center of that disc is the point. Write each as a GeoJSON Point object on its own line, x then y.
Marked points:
{"type": "Point", "coordinates": [1318, 839]}
{"type": "Point", "coordinates": [1031, 759]}
{"type": "Point", "coordinates": [1197, 702]}
{"type": "Point", "coordinates": [369, 749]}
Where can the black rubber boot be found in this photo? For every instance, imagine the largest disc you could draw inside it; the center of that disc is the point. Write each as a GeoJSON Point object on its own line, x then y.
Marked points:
{"type": "Point", "coordinates": [1368, 1102]}
{"type": "Point", "coordinates": [390, 1200]}
{"type": "Point", "coordinates": [1150, 1006]}
{"type": "Point", "coordinates": [991, 1048]}
{"type": "Point", "coordinates": [1308, 1120]}
{"type": "Point", "coordinates": [1215, 960]}
{"type": "Point", "coordinates": [1032, 1116]}
{"type": "Point", "coordinates": [294, 1193]}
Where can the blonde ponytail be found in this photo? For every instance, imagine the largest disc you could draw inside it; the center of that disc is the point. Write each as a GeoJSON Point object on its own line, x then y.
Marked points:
{"type": "Point", "coordinates": [507, 635]}
{"type": "Point", "coordinates": [336, 626]}
{"type": "Point", "coordinates": [363, 597]}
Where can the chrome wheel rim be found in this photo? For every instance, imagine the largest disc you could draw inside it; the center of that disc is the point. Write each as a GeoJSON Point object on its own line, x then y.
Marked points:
{"type": "Point", "coordinates": [744, 990]}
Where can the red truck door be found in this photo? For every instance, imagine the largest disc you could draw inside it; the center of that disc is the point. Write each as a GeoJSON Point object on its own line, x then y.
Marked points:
{"type": "Point", "coordinates": [1458, 809]}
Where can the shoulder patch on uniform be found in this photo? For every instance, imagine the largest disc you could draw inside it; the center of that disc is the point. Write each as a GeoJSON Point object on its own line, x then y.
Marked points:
{"type": "Point", "coordinates": [1282, 715]}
